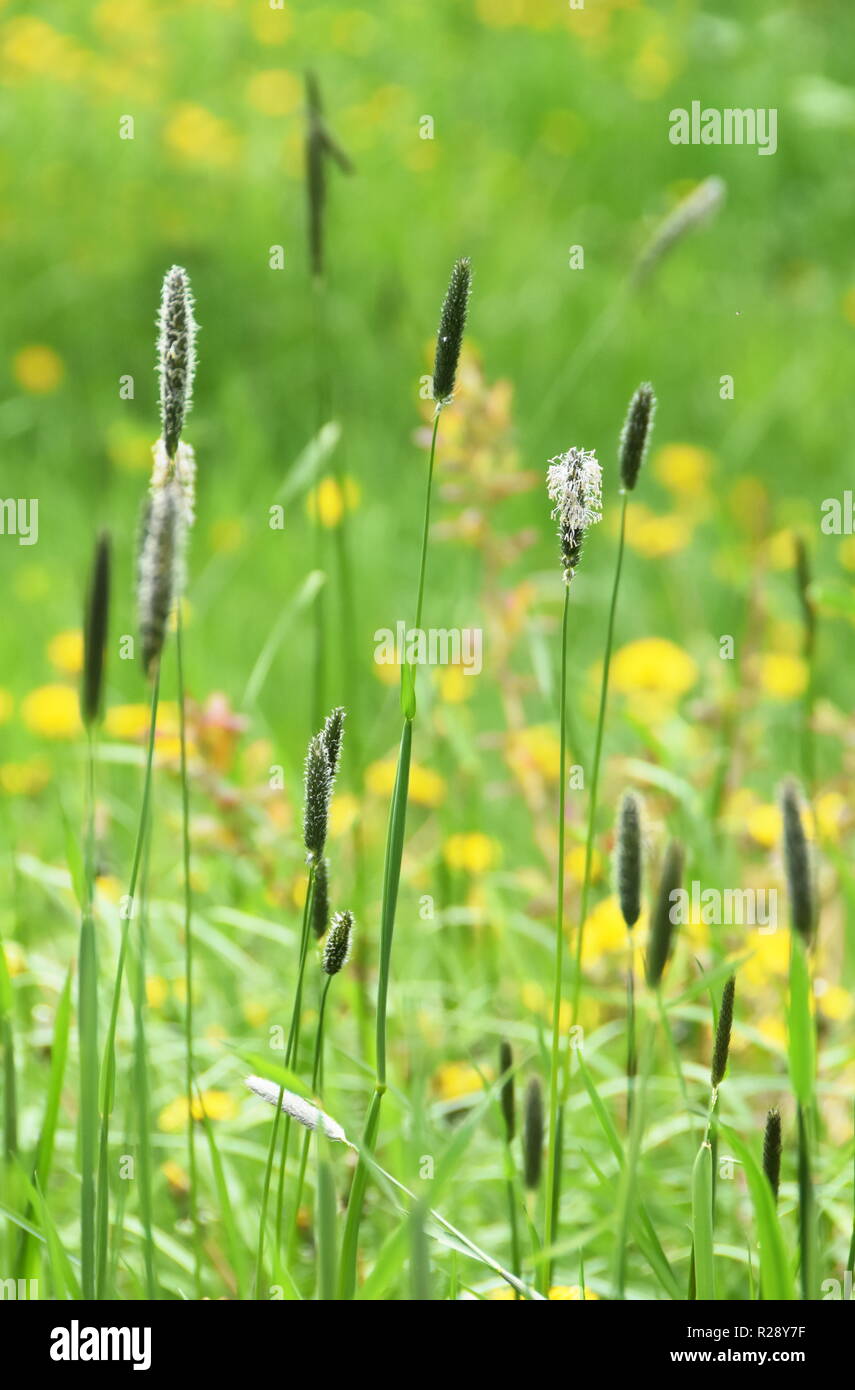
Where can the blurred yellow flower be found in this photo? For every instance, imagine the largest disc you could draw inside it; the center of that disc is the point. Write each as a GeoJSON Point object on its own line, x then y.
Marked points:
{"type": "Point", "coordinates": [571, 1293]}
{"type": "Point", "coordinates": [770, 955]}
{"type": "Point", "coordinates": [835, 1002]}
{"type": "Point", "coordinates": [831, 810]}
{"type": "Point", "coordinates": [255, 1014]}
{"type": "Point", "coordinates": [271, 26]}
{"type": "Point", "coordinates": [25, 778]}
{"type": "Point", "coordinates": [218, 1105]}
{"type": "Point", "coordinates": [684, 469]}
{"type": "Point", "coordinates": [455, 1079]}
{"type": "Point", "coordinates": [38, 369]}
{"type": "Point", "coordinates": [52, 711]}
{"type": "Point", "coordinates": [343, 813]}
{"type": "Point", "coordinates": [65, 652]}
{"type": "Point", "coordinates": [781, 550]}
{"type": "Point", "coordinates": [653, 665]}
{"type": "Point", "coordinates": [574, 864]}
{"type": "Point", "coordinates": [196, 134]}
{"type": "Point", "coordinates": [535, 748]}
{"type": "Point", "coordinates": [427, 788]}
{"type": "Point", "coordinates": [454, 685]}
{"type": "Point", "coordinates": [275, 92]}
{"type": "Point", "coordinates": [605, 931]}
{"type": "Point", "coordinates": [773, 1028]}
{"type": "Point", "coordinates": [7, 704]}
{"type": "Point", "coordinates": [127, 721]}
{"type": "Point", "coordinates": [782, 676]}
{"type": "Point", "coordinates": [175, 1176]}
{"type": "Point", "coordinates": [16, 961]}
{"type": "Point", "coordinates": [330, 500]}
{"type": "Point", "coordinates": [473, 853]}
{"type": "Point", "coordinates": [157, 993]}
{"type": "Point", "coordinates": [656, 536]}
{"type": "Point", "coordinates": [764, 823]}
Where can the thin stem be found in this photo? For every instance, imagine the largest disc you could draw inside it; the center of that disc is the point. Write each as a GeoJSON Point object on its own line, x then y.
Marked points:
{"type": "Point", "coordinates": [553, 1158]}
{"type": "Point", "coordinates": [293, 1032]}
{"type": "Point", "coordinates": [188, 956]}
{"type": "Point", "coordinates": [317, 1071]}
{"type": "Point", "coordinates": [391, 881]}
{"type": "Point", "coordinates": [595, 773]}
{"type": "Point", "coordinates": [108, 1062]}
{"type": "Point", "coordinates": [87, 1022]}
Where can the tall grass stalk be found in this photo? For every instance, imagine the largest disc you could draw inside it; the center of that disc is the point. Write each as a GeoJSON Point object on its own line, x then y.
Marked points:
{"type": "Point", "coordinates": [193, 1198]}
{"type": "Point", "coordinates": [107, 1081]}
{"type": "Point", "coordinates": [554, 1151]}
{"type": "Point", "coordinates": [87, 1022]}
{"type": "Point", "coordinates": [448, 344]}
{"type": "Point", "coordinates": [141, 1082]}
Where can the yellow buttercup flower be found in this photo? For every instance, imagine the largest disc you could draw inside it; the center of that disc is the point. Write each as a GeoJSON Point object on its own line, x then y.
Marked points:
{"type": "Point", "coordinates": [656, 536]}
{"type": "Point", "coordinates": [574, 864]}
{"type": "Point", "coordinates": [770, 958]}
{"type": "Point", "coordinates": [455, 685]}
{"type": "Point", "coordinates": [536, 748]}
{"type": "Point", "coordinates": [217, 1105]}
{"type": "Point", "coordinates": [275, 92]}
{"type": "Point", "coordinates": [831, 810]}
{"type": "Point", "coordinates": [197, 135]}
{"type": "Point", "coordinates": [427, 788]}
{"type": "Point", "coordinates": [344, 813]}
{"type": "Point", "coordinates": [684, 469]}
{"type": "Point", "coordinates": [38, 369]}
{"type": "Point", "coordinates": [256, 1014]}
{"type": "Point", "coordinates": [127, 721]}
{"type": "Point", "coordinates": [783, 676]}
{"type": "Point", "coordinates": [65, 652]}
{"type": "Point", "coordinates": [835, 1003]}
{"type": "Point", "coordinates": [605, 931]}
{"type": "Point", "coordinates": [453, 1080]}
{"type": "Point", "coordinates": [765, 825]}
{"type": "Point", "coordinates": [52, 711]}
{"type": "Point", "coordinates": [571, 1293]}
{"type": "Point", "coordinates": [156, 991]}
{"type": "Point", "coordinates": [653, 665]}
{"type": "Point", "coordinates": [25, 778]}
{"type": "Point", "coordinates": [474, 853]}
{"type": "Point", "coordinates": [330, 500]}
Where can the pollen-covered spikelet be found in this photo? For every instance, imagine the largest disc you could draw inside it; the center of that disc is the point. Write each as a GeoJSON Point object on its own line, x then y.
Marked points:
{"type": "Point", "coordinates": [337, 944]}
{"type": "Point", "coordinates": [176, 353]}
{"type": "Point", "coordinates": [636, 435]}
{"type": "Point", "coordinates": [299, 1109]}
{"type": "Point", "coordinates": [574, 485]}
{"type": "Point", "coordinates": [318, 790]}
{"type": "Point", "coordinates": [159, 568]}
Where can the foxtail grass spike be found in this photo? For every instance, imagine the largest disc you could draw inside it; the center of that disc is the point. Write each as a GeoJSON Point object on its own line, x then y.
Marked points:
{"type": "Point", "coordinates": [506, 1094]}
{"type": "Point", "coordinates": [176, 352]}
{"type": "Point", "coordinates": [449, 338]}
{"type": "Point", "coordinates": [797, 863]}
{"type": "Point", "coordinates": [317, 803]}
{"type": "Point", "coordinates": [661, 921]}
{"type": "Point", "coordinates": [772, 1150]}
{"type": "Point", "coordinates": [693, 210]}
{"type": "Point", "coordinates": [299, 1109]}
{"type": "Point", "coordinates": [95, 633]}
{"type": "Point", "coordinates": [159, 569]}
{"type": "Point", "coordinates": [629, 858]}
{"type": "Point", "coordinates": [337, 944]}
{"type": "Point", "coordinates": [533, 1134]}
{"type": "Point", "coordinates": [332, 735]}
{"type": "Point", "coordinates": [320, 145]}
{"type": "Point", "coordinates": [321, 899]}
{"type": "Point", "coordinates": [574, 484]}
{"type": "Point", "coordinates": [722, 1033]}
{"type": "Point", "coordinates": [635, 436]}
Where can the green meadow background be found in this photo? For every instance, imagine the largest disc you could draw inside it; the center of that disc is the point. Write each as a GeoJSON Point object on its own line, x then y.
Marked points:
{"type": "Point", "coordinates": [550, 131]}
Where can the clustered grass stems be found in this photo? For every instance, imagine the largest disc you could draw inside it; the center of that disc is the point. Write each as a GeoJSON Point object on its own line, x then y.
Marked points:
{"type": "Point", "coordinates": [95, 626]}
{"type": "Point", "coordinates": [334, 957]}
{"type": "Point", "coordinates": [801, 1026]}
{"type": "Point", "coordinates": [574, 485]}
{"type": "Point", "coordinates": [449, 342]}
{"type": "Point", "coordinates": [160, 575]}
{"type": "Point", "coordinates": [634, 442]}
{"type": "Point", "coordinates": [321, 765]}
{"type": "Point", "coordinates": [628, 882]}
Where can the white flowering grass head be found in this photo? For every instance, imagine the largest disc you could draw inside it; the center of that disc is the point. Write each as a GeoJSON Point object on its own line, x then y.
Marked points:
{"type": "Point", "coordinates": [574, 484]}
{"type": "Point", "coordinates": [299, 1109]}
